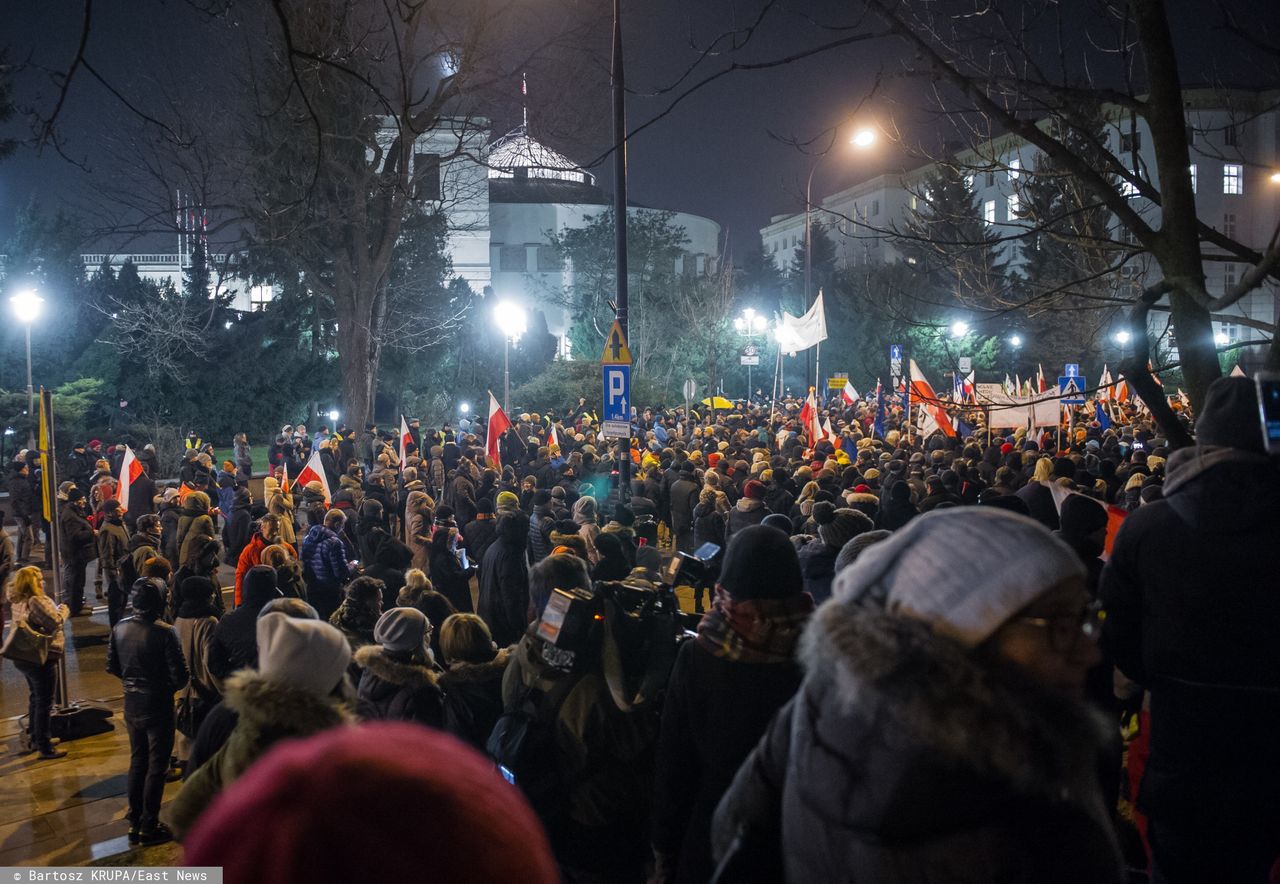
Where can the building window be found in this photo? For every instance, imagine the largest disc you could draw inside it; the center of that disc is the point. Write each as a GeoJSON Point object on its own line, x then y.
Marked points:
{"type": "Point", "coordinates": [1228, 277]}
{"type": "Point", "coordinates": [1192, 170]}
{"type": "Point", "coordinates": [989, 211]}
{"type": "Point", "coordinates": [1229, 224]}
{"type": "Point", "coordinates": [513, 259]}
{"type": "Point", "coordinates": [1232, 178]}
{"type": "Point", "coordinates": [1191, 135]}
{"type": "Point", "coordinates": [875, 208]}
{"type": "Point", "coordinates": [1128, 189]}
{"type": "Point", "coordinates": [1014, 205]}
{"type": "Point", "coordinates": [426, 176]}
{"type": "Point", "coordinates": [991, 178]}
{"type": "Point", "coordinates": [260, 296]}
{"type": "Point", "coordinates": [1230, 331]}
{"type": "Point", "coordinates": [549, 260]}
{"type": "Point", "coordinates": [1015, 168]}
{"type": "Point", "coordinates": [1130, 141]}
{"type": "Point", "coordinates": [1231, 135]}
{"type": "Point", "coordinates": [968, 182]}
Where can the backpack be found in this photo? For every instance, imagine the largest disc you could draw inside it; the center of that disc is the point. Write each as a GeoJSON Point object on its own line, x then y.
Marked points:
{"type": "Point", "coordinates": [523, 746]}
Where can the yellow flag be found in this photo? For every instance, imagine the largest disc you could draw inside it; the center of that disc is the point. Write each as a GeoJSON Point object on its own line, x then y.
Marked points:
{"type": "Point", "coordinates": [46, 491]}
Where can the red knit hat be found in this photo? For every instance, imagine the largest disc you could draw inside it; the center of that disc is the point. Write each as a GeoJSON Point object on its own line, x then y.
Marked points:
{"type": "Point", "coordinates": [381, 802]}
{"type": "Point", "coordinates": [754, 490]}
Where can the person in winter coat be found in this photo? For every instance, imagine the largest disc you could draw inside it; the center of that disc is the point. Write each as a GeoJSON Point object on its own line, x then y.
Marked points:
{"type": "Point", "coordinates": [239, 525]}
{"type": "Point", "coordinates": [358, 614]}
{"type": "Point", "coordinates": [613, 563]}
{"type": "Point", "coordinates": [1189, 592]}
{"type": "Point", "coordinates": [587, 517]}
{"type": "Point", "coordinates": [709, 519]}
{"type": "Point", "coordinates": [205, 558]}
{"type": "Point", "coordinates": [398, 681]}
{"type": "Point", "coordinates": [25, 504]}
{"type": "Point", "coordinates": [419, 522]}
{"type": "Point", "coordinates": [836, 527]}
{"type": "Point", "coordinates": [749, 510]}
{"type": "Point", "coordinates": [79, 548]}
{"type": "Point", "coordinates": [724, 689]}
{"type": "Point", "coordinates": [326, 564]}
{"type": "Point", "coordinates": [447, 574]}
{"type": "Point", "coordinates": [299, 688]}
{"type": "Point", "coordinates": [280, 505]}
{"type": "Point", "coordinates": [472, 681]}
{"type": "Point", "coordinates": [113, 546]}
{"type": "Point", "coordinates": [142, 492]}
{"type": "Point", "coordinates": [504, 581]}
{"type": "Point", "coordinates": [685, 493]}
{"type": "Point", "coordinates": [419, 593]}
{"type": "Point", "coordinates": [144, 653]}
{"type": "Point", "coordinates": [289, 579]}
{"type": "Point", "coordinates": [898, 509]}
{"type": "Point", "coordinates": [195, 622]}
{"type": "Point", "coordinates": [389, 565]}
{"type": "Point", "coordinates": [234, 643]}
{"type": "Point", "coordinates": [242, 453]}
{"type": "Point", "coordinates": [478, 534]}
{"type": "Point", "coordinates": [461, 495]}
{"type": "Point", "coordinates": [228, 482]}
{"type": "Point", "coordinates": [991, 770]}
{"type": "Point", "coordinates": [169, 511]}
{"type": "Point", "coordinates": [540, 523]}
{"type": "Point", "coordinates": [265, 533]}
{"type": "Point", "coordinates": [30, 607]}
{"type": "Point", "coordinates": [194, 521]}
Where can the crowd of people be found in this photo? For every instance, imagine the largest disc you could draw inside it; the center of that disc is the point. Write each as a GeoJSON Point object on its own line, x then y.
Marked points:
{"type": "Point", "coordinates": [904, 657]}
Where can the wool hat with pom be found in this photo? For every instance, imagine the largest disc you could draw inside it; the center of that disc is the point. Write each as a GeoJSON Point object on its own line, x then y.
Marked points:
{"type": "Point", "coordinates": [426, 807]}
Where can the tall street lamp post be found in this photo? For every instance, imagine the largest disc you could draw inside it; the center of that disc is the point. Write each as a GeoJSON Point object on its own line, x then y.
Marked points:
{"type": "Point", "coordinates": [26, 306]}
{"type": "Point", "coordinates": [511, 322]}
{"type": "Point", "coordinates": [750, 324]}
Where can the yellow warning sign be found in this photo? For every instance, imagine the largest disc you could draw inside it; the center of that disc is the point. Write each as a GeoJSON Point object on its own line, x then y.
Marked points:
{"type": "Point", "coordinates": [616, 351]}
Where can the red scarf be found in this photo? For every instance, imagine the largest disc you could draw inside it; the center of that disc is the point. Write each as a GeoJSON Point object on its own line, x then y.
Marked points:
{"type": "Point", "coordinates": [755, 630]}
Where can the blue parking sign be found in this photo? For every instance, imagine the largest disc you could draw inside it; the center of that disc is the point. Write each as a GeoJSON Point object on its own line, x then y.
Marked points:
{"type": "Point", "coordinates": [617, 392]}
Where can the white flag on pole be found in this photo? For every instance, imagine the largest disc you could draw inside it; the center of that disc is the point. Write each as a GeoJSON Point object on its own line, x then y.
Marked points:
{"type": "Point", "coordinates": [797, 333]}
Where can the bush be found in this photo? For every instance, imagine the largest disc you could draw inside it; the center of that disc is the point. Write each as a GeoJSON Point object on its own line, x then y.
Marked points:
{"type": "Point", "coordinates": [562, 383]}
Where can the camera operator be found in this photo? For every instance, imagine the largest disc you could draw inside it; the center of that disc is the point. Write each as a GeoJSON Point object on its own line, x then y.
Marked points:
{"type": "Point", "coordinates": [725, 687]}
{"type": "Point", "coordinates": [585, 758]}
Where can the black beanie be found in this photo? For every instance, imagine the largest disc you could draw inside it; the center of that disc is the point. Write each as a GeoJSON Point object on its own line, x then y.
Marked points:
{"type": "Point", "coordinates": [1230, 416]}
{"type": "Point", "coordinates": [1081, 516]}
{"type": "Point", "coordinates": [761, 563]}
{"type": "Point", "coordinates": [259, 586]}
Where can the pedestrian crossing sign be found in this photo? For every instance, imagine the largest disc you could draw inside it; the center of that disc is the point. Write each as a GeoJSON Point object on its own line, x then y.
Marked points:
{"type": "Point", "coordinates": [1071, 390]}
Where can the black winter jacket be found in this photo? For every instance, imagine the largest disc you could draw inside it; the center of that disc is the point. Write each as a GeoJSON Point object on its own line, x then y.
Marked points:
{"type": "Point", "coordinates": [147, 658]}
{"type": "Point", "coordinates": [504, 581]}
{"type": "Point", "coordinates": [473, 698]}
{"type": "Point", "coordinates": [394, 689]}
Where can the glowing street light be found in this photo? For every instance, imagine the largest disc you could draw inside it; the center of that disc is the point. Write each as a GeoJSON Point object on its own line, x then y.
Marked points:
{"type": "Point", "coordinates": [863, 138]}
{"type": "Point", "coordinates": [1221, 339]}
{"type": "Point", "coordinates": [750, 324]}
{"type": "Point", "coordinates": [465, 407]}
{"type": "Point", "coordinates": [959, 328]}
{"type": "Point", "coordinates": [1015, 341]}
{"type": "Point", "coordinates": [1122, 337]}
{"type": "Point", "coordinates": [333, 416]}
{"type": "Point", "coordinates": [511, 322]}
{"type": "Point", "coordinates": [1275, 177]}
{"type": "Point", "coordinates": [27, 306]}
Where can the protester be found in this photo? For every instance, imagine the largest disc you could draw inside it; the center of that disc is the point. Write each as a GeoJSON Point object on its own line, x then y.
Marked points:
{"type": "Point", "coordinates": [326, 564]}
{"type": "Point", "coordinates": [234, 643]}
{"type": "Point", "coordinates": [144, 653]}
{"type": "Point", "coordinates": [79, 548]}
{"type": "Point", "coordinates": [31, 609]}
{"type": "Point", "coordinates": [448, 575]}
{"type": "Point", "coordinates": [472, 680]}
{"type": "Point", "coordinates": [195, 623]}
{"type": "Point", "coordinates": [725, 687]}
{"type": "Point", "coordinates": [504, 580]}
{"type": "Point", "coordinates": [991, 772]}
{"type": "Point", "coordinates": [398, 681]}
{"type": "Point", "coordinates": [1191, 614]}
{"type": "Point", "coordinates": [300, 688]}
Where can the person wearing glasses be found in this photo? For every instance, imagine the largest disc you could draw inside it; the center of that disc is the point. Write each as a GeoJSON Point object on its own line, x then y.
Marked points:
{"type": "Point", "coordinates": [940, 733]}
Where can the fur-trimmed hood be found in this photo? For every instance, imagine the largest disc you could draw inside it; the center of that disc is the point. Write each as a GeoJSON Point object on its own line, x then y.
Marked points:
{"type": "Point", "coordinates": [919, 708]}
{"type": "Point", "coordinates": [476, 673]}
{"type": "Point", "coordinates": [267, 707]}
{"type": "Point", "coordinates": [376, 662]}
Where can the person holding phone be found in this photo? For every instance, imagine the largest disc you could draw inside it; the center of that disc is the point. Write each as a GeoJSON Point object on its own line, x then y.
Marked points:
{"type": "Point", "coordinates": [451, 573]}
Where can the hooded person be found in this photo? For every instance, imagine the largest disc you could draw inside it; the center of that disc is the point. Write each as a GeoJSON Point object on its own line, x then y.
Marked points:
{"type": "Point", "coordinates": [613, 563]}
{"type": "Point", "coordinates": [194, 521]}
{"type": "Point", "coordinates": [898, 508]}
{"type": "Point", "coordinates": [724, 688]}
{"type": "Point", "coordinates": [235, 638]}
{"type": "Point", "coordinates": [421, 795]}
{"type": "Point", "coordinates": [1083, 524]}
{"type": "Point", "coordinates": [991, 770]}
{"type": "Point", "coordinates": [195, 622]}
{"type": "Point", "coordinates": [1189, 591]}
{"type": "Point", "coordinates": [358, 615]}
{"type": "Point", "coordinates": [299, 688]}
{"type": "Point", "coordinates": [586, 516]}
{"type": "Point", "coordinates": [836, 527]}
{"type": "Point", "coordinates": [398, 682]}
{"type": "Point", "coordinates": [503, 603]}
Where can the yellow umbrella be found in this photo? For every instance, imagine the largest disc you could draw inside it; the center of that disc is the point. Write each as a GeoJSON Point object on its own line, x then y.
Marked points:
{"type": "Point", "coordinates": [718, 402]}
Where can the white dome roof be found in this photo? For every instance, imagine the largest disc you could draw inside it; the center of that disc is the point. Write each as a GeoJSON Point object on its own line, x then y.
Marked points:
{"type": "Point", "coordinates": [516, 150]}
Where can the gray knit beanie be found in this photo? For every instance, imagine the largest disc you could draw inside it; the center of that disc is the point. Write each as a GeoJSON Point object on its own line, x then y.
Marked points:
{"type": "Point", "coordinates": [303, 654]}
{"type": "Point", "coordinates": [965, 570]}
{"type": "Point", "coordinates": [401, 630]}
{"type": "Point", "coordinates": [850, 551]}
{"type": "Point", "coordinates": [842, 526]}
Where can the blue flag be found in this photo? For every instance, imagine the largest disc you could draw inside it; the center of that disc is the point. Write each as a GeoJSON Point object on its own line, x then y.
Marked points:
{"type": "Point", "coordinates": [879, 422]}
{"type": "Point", "coordinates": [1103, 420]}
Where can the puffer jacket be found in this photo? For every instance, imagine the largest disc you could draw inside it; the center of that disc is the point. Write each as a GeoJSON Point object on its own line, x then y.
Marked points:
{"type": "Point", "coordinates": [395, 689]}
{"type": "Point", "coordinates": [147, 658]}
{"type": "Point", "coordinates": [987, 777]}
{"type": "Point", "coordinates": [194, 521]}
{"type": "Point", "coordinates": [324, 557]}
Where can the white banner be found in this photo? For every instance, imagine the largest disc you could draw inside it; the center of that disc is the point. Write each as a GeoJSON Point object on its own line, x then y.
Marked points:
{"type": "Point", "coordinates": [802, 332]}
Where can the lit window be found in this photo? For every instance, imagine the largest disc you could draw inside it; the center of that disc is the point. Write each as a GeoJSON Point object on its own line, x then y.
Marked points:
{"type": "Point", "coordinates": [968, 182]}
{"type": "Point", "coordinates": [260, 296]}
{"type": "Point", "coordinates": [1128, 188]}
{"type": "Point", "coordinates": [1015, 168]}
{"type": "Point", "coordinates": [989, 211]}
{"type": "Point", "coordinates": [1232, 178]}
{"type": "Point", "coordinates": [1014, 205]}
{"type": "Point", "coordinates": [1192, 169]}
{"type": "Point", "coordinates": [1228, 277]}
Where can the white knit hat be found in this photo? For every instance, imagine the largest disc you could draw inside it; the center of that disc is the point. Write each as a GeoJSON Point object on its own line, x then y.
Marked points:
{"type": "Point", "coordinates": [963, 570]}
{"type": "Point", "coordinates": [303, 654]}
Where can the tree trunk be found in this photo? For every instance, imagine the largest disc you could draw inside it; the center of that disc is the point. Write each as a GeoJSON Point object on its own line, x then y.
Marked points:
{"type": "Point", "coordinates": [358, 353]}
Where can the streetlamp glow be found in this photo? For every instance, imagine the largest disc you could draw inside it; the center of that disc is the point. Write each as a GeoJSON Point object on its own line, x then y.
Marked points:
{"type": "Point", "coordinates": [1015, 341]}
{"type": "Point", "coordinates": [1221, 339]}
{"type": "Point", "coordinates": [1122, 337]}
{"type": "Point", "coordinates": [334, 415]}
{"type": "Point", "coordinates": [863, 138]}
{"type": "Point", "coordinates": [511, 322]}
{"type": "Point", "coordinates": [465, 407]}
{"type": "Point", "coordinates": [959, 328]}
{"type": "Point", "coordinates": [1275, 177]}
{"type": "Point", "coordinates": [27, 306]}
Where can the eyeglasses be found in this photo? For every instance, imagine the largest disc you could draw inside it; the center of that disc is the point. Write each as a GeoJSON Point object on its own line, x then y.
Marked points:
{"type": "Point", "coordinates": [1065, 632]}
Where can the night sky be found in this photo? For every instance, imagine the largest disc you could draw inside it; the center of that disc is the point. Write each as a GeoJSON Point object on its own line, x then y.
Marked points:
{"type": "Point", "coordinates": [723, 153]}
